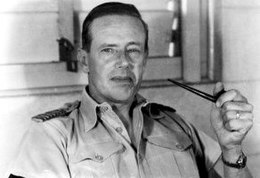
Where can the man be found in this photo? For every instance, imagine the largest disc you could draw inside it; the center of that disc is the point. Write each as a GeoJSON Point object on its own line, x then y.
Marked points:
{"type": "Point", "coordinates": [115, 132]}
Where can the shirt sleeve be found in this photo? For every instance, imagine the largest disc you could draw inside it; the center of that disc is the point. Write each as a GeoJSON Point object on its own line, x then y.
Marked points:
{"type": "Point", "coordinates": [206, 147]}
{"type": "Point", "coordinates": [42, 153]}
{"type": "Point", "coordinates": [212, 149]}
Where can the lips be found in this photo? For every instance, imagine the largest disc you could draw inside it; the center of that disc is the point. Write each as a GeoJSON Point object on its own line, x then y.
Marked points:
{"type": "Point", "coordinates": [127, 79]}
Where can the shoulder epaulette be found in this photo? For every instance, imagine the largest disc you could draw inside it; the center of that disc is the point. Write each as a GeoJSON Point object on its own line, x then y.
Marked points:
{"type": "Point", "coordinates": [163, 107]}
{"type": "Point", "coordinates": [158, 111]}
{"type": "Point", "coordinates": [154, 109]}
{"type": "Point", "coordinates": [61, 112]}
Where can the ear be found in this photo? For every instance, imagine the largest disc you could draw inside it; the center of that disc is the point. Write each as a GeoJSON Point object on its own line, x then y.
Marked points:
{"type": "Point", "coordinates": [82, 57]}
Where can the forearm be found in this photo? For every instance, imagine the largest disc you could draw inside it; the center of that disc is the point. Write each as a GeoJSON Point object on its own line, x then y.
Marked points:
{"type": "Point", "coordinates": [232, 157]}
{"type": "Point", "coordinates": [222, 170]}
{"type": "Point", "coordinates": [230, 172]}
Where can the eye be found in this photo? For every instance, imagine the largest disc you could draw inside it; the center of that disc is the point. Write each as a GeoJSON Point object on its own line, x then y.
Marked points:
{"type": "Point", "coordinates": [108, 50]}
{"type": "Point", "coordinates": [134, 52]}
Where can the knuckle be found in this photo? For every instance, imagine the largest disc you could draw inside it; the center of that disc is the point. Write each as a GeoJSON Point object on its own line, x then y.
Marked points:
{"type": "Point", "coordinates": [246, 107]}
{"type": "Point", "coordinates": [237, 94]}
{"type": "Point", "coordinates": [226, 106]}
{"type": "Point", "coordinates": [245, 99]}
{"type": "Point", "coordinates": [249, 124]}
{"type": "Point", "coordinates": [250, 117]}
{"type": "Point", "coordinates": [250, 107]}
{"type": "Point", "coordinates": [234, 92]}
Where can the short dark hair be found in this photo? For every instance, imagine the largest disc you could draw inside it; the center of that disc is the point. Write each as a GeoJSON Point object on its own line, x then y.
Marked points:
{"type": "Point", "coordinates": [110, 8]}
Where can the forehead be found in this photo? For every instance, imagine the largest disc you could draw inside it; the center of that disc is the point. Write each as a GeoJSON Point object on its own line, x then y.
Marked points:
{"type": "Point", "coordinates": [120, 26]}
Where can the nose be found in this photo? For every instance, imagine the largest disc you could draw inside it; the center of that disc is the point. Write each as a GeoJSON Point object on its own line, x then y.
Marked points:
{"type": "Point", "coordinates": [123, 60]}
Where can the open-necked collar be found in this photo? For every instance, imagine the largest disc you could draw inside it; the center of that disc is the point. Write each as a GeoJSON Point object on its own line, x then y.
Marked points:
{"type": "Point", "coordinates": [89, 108]}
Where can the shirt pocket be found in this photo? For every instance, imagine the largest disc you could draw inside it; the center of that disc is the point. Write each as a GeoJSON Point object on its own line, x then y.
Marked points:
{"type": "Point", "coordinates": [96, 160]}
{"type": "Point", "coordinates": [169, 141]}
{"type": "Point", "coordinates": [170, 157]}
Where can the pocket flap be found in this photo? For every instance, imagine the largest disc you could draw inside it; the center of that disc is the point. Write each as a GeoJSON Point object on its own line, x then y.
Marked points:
{"type": "Point", "coordinates": [180, 142]}
{"type": "Point", "coordinates": [97, 152]}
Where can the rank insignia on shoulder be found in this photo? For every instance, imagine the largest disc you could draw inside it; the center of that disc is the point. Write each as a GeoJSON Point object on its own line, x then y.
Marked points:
{"type": "Point", "coordinates": [61, 112]}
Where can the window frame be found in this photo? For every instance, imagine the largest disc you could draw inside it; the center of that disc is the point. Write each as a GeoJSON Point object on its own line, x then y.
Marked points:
{"type": "Point", "coordinates": [198, 21]}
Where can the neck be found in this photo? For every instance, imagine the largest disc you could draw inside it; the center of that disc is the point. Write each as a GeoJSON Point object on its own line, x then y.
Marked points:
{"type": "Point", "coordinates": [124, 112]}
{"type": "Point", "coordinates": [121, 108]}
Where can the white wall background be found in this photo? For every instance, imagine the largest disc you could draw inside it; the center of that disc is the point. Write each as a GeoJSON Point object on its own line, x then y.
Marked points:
{"type": "Point", "coordinates": [240, 40]}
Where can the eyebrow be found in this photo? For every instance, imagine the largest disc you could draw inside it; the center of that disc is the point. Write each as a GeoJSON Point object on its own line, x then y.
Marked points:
{"type": "Point", "coordinates": [134, 43]}
{"type": "Point", "coordinates": [104, 45]}
{"type": "Point", "coordinates": [107, 45]}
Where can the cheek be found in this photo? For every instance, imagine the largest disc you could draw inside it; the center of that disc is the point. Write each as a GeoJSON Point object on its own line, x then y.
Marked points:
{"type": "Point", "coordinates": [101, 72]}
{"type": "Point", "coordinates": [139, 70]}
{"type": "Point", "coordinates": [95, 71]}
{"type": "Point", "coordinates": [97, 65]}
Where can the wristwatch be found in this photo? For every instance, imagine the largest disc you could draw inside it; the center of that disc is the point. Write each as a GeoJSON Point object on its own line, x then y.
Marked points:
{"type": "Point", "coordinates": [240, 163]}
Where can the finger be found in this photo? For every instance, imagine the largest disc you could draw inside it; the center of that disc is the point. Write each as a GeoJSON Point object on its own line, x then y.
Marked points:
{"type": "Point", "coordinates": [242, 126]}
{"type": "Point", "coordinates": [230, 95]}
{"type": "Point", "coordinates": [239, 96]}
{"type": "Point", "coordinates": [238, 106]}
{"type": "Point", "coordinates": [230, 115]}
{"type": "Point", "coordinates": [218, 87]}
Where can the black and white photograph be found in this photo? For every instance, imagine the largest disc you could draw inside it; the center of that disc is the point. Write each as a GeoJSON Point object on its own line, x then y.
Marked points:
{"type": "Point", "coordinates": [130, 89]}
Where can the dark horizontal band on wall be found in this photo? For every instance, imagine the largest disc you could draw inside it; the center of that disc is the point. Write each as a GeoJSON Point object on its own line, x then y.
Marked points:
{"type": "Point", "coordinates": [160, 83]}
{"type": "Point", "coordinates": [41, 91]}
{"type": "Point", "coordinates": [70, 89]}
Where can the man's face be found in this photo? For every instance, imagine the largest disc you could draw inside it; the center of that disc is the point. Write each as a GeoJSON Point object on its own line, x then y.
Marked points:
{"type": "Point", "coordinates": [116, 59]}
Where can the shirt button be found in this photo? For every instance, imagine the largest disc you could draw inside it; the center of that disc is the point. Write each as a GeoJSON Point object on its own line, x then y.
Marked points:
{"type": "Point", "coordinates": [123, 149]}
{"type": "Point", "coordinates": [99, 157]}
{"type": "Point", "coordinates": [119, 129]}
{"type": "Point", "coordinates": [139, 156]}
{"type": "Point", "coordinates": [179, 146]}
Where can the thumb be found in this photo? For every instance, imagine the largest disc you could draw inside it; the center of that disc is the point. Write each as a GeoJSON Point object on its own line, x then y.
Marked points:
{"type": "Point", "coordinates": [218, 87]}
{"type": "Point", "coordinates": [216, 120]}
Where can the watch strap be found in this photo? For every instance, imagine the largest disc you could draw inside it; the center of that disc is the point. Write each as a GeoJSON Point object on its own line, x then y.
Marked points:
{"type": "Point", "coordinates": [240, 163]}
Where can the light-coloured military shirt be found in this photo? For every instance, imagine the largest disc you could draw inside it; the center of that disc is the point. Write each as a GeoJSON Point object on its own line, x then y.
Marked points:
{"type": "Point", "coordinates": [93, 142]}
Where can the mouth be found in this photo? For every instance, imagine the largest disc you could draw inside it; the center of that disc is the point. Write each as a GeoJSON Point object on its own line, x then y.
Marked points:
{"type": "Point", "coordinates": [125, 80]}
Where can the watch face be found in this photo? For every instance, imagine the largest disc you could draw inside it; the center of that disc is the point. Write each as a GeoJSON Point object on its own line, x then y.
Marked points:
{"type": "Point", "coordinates": [242, 160]}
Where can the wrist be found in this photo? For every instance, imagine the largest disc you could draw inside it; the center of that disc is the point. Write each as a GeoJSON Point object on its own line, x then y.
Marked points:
{"type": "Point", "coordinates": [239, 162]}
{"type": "Point", "coordinates": [231, 155]}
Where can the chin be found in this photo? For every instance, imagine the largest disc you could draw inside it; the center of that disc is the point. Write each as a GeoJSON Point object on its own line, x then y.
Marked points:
{"type": "Point", "coordinates": [122, 95]}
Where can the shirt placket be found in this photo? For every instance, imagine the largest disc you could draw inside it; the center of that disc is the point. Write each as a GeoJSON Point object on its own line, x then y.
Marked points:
{"type": "Point", "coordinates": [113, 122]}
{"type": "Point", "coordinates": [138, 127]}
{"type": "Point", "coordinates": [144, 169]}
